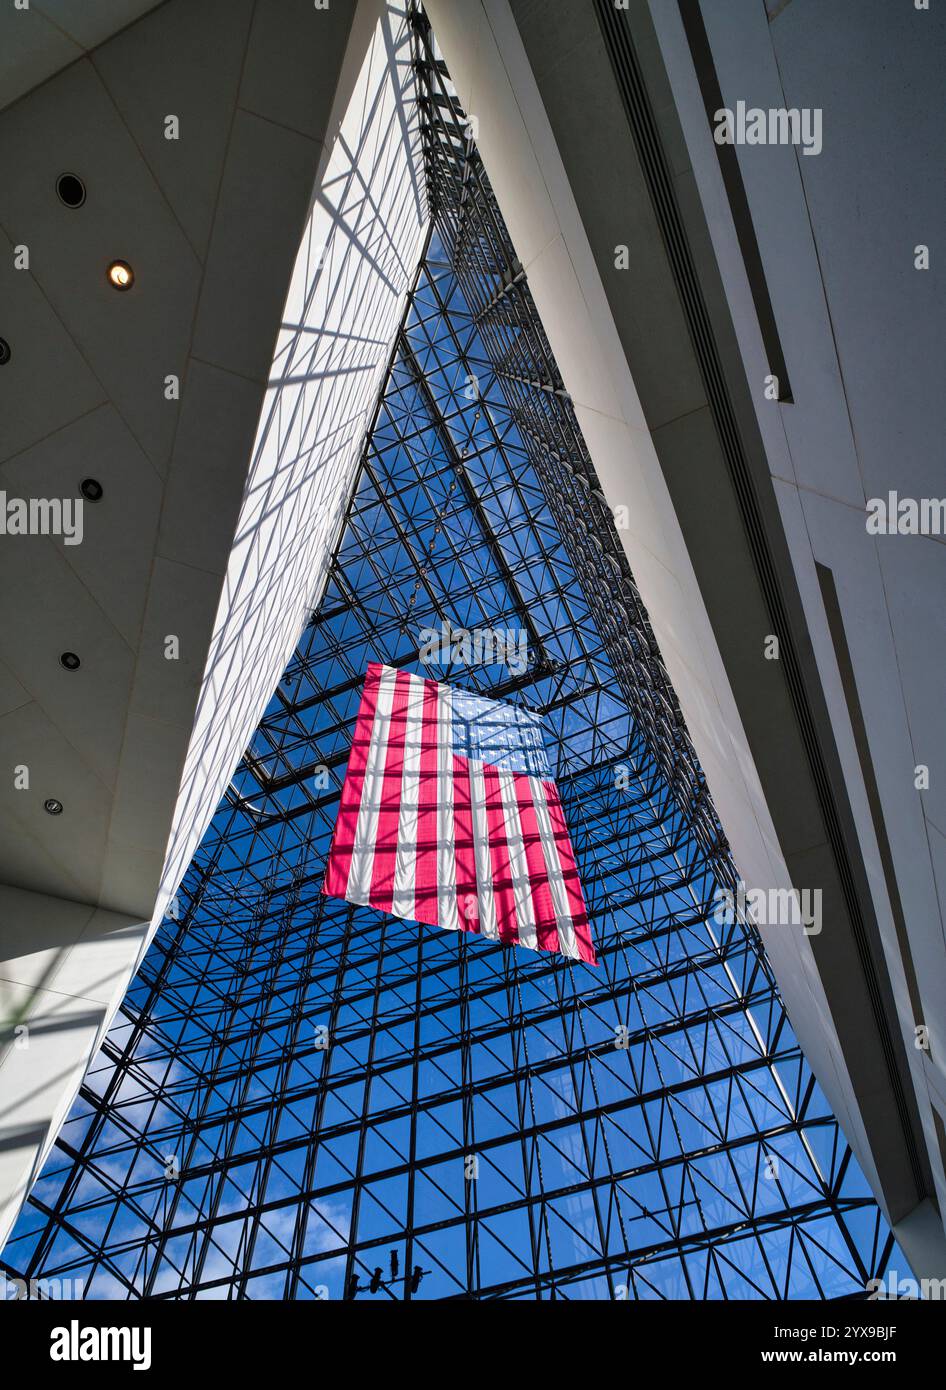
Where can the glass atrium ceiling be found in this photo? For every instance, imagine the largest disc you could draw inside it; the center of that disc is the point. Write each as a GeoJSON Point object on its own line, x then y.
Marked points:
{"type": "Point", "coordinates": [301, 1098]}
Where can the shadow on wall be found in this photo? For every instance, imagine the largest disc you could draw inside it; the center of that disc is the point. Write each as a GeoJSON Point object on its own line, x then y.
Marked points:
{"type": "Point", "coordinates": [358, 256]}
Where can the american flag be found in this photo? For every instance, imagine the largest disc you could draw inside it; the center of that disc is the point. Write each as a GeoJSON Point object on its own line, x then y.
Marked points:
{"type": "Point", "coordinates": [449, 816]}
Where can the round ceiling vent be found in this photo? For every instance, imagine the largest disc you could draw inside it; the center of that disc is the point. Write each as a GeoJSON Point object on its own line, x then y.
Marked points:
{"type": "Point", "coordinates": [71, 190]}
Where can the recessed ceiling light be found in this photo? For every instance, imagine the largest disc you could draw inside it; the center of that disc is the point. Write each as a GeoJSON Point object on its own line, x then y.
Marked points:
{"type": "Point", "coordinates": [5, 353]}
{"type": "Point", "coordinates": [91, 489]}
{"type": "Point", "coordinates": [71, 190]}
{"type": "Point", "coordinates": [70, 661]}
{"type": "Point", "coordinates": [121, 275]}
{"type": "Point", "coordinates": [52, 807]}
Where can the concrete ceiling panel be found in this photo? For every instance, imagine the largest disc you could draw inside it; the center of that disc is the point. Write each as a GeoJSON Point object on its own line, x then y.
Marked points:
{"type": "Point", "coordinates": [33, 49]}
{"type": "Point", "coordinates": [262, 208]}
{"type": "Point", "coordinates": [182, 603]}
{"type": "Point", "coordinates": [219, 413]}
{"type": "Point", "coordinates": [87, 705]}
{"type": "Point", "coordinates": [130, 340]}
{"type": "Point", "coordinates": [46, 382]}
{"type": "Point", "coordinates": [119, 531]}
{"type": "Point", "coordinates": [93, 21]}
{"type": "Point", "coordinates": [290, 40]}
{"type": "Point", "coordinates": [60, 855]}
{"type": "Point", "coordinates": [183, 61]}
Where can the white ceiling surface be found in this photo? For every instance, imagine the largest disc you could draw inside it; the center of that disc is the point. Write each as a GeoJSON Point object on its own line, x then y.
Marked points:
{"type": "Point", "coordinates": [211, 223]}
{"type": "Point", "coordinates": [48, 35]}
{"type": "Point", "coordinates": [65, 968]}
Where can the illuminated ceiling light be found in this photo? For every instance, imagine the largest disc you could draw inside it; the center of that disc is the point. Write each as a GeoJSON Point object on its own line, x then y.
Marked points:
{"type": "Point", "coordinates": [70, 661]}
{"type": "Point", "coordinates": [52, 807]}
{"type": "Point", "coordinates": [121, 275]}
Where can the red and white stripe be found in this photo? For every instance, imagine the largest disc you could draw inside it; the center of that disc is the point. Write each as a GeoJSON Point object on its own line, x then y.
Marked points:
{"type": "Point", "coordinates": [432, 837]}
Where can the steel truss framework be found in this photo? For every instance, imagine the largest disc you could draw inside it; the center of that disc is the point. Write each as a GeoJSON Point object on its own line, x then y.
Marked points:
{"type": "Point", "coordinates": [303, 1099]}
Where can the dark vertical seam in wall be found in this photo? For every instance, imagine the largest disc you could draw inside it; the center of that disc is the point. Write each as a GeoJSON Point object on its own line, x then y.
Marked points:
{"type": "Point", "coordinates": [832, 606]}
{"type": "Point", "coordinates": [712, 94]}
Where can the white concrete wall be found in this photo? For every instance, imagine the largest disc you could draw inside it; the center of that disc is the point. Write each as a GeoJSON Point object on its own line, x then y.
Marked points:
{"type": "Point", "coordinates": [861, 329]}
{"type": "Point", "coordinates": [65, 970]}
